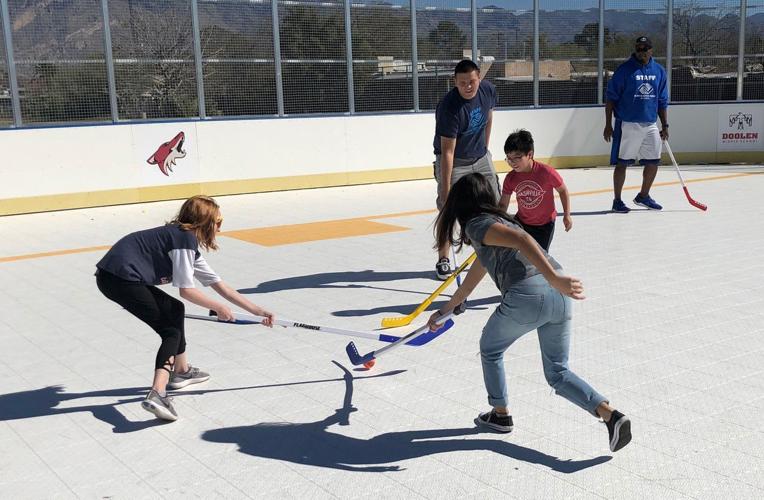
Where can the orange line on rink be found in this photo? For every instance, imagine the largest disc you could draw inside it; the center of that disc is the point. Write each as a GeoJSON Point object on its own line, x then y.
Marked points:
{"type": "Point", "coordinates": [53, 253]}
{"type": "Point", "coordinates": [401, 214]}
{"type": "Point", "coordinates": [339, 228]}
{"type": "Point", "coordinates": [312, 231]}
{"type": "Point", "coordinates": [669, 183]}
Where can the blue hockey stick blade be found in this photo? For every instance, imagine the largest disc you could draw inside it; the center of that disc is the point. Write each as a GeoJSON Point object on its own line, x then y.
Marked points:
{"type": "Point", "coordinates": [426, 337]}
{"type": "Point", "coordinates": [355, 358]}
{"type": "Point", "coordinates": [244, 322]}
{"type": "Point", "coordinates": [236, 321]}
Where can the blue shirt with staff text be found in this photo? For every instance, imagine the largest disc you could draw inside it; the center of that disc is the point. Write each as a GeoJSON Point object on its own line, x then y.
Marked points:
{"type": "Point", "coordinates": [638, 91]}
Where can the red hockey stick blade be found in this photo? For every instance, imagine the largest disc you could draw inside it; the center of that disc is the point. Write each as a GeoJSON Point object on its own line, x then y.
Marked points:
{"type": "Point", "coordinates": [694, 203]}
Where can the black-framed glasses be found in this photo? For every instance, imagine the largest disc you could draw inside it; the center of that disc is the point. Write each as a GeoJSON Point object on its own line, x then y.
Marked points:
{"type": "Point", "coordinates": [643, 49]}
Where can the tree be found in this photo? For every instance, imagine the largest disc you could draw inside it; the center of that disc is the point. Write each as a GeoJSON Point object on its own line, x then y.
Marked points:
{"type": "Point", "coordinates": [588, 38]}
{"type": "Point", "coordinates": [157, 77]}
{"type": "Point", "coordinates": [446, 42]}
{"type": "Point", "coordinates": [698, 34]}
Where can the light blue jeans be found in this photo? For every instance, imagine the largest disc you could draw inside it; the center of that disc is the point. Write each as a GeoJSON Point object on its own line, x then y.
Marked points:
{"type": "Point", "coordinates": [529, 305]}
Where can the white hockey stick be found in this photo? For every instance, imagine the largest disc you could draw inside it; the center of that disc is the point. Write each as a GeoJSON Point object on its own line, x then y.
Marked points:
{"type": "Point", "coordinates": [250, 319]}
{"type": "Point", "coordinates": [694, 203]}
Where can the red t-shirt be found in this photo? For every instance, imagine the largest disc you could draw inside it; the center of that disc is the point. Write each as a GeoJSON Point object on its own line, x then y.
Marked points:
{"type": "Point", "coordinates": [535, 193]}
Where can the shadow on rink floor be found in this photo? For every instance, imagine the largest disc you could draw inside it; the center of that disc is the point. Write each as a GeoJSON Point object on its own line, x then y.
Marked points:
{"type": "Point", "coordinates": [311, 443]}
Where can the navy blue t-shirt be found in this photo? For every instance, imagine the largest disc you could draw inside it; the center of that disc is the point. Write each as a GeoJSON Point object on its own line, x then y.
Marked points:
{"type": "Point", "coordinates": [465, 120]}
{"type": "Point", "coordinates": [165, 254]}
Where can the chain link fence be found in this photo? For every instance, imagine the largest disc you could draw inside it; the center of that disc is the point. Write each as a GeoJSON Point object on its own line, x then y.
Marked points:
{"type": "Point", "coordinates": [238, 58]}
{"type": "Point", "coordinates": [753, 63]}
{"type": "Point", "coordinates": [568, 49]}
{"type": "Point", "coordinates": [59, 60]}
{"type": "Point", "coordinates": [177, 59]}
{"type": "Point", "coordinates": [507, 36]}
{"type": "Point", "coordinates": [6, 107]}
{"type": "Point", "coordinates": [383, 68]}
{"type": "Point", "coordinates": [444, 37]}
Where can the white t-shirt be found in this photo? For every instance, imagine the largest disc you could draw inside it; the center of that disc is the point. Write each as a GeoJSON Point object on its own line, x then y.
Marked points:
{"type": "Point", "coordinates": [185, 268]}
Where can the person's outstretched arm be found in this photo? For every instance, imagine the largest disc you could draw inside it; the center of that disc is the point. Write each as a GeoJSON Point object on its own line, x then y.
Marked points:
{"type": "Point", "coordinates": [234, 297]}
{"type": "Point", "coordinates": [500, 235]}
{"type": "Point", "coordinates": [199, 298]}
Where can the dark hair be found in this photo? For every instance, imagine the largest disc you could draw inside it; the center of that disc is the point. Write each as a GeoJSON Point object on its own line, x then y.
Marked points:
{"type": "Point", "coordinates": [519, 140]}
{"type": "Point", "coordinates": [471, 196]}
{"type": "Point", "coordinates": [466, 66]}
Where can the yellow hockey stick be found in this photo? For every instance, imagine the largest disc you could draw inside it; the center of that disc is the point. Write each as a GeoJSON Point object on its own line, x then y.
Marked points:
{"type": "Point", "coordinates": [405, 320]}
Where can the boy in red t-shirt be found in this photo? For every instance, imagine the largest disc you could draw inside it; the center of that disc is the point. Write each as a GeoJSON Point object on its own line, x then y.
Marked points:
{"type": "Point", "coordinates": [532, 182]}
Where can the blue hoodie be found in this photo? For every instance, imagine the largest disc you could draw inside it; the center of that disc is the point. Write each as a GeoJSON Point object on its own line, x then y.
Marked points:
{"type": "Point", "coordinates": [638, 91]}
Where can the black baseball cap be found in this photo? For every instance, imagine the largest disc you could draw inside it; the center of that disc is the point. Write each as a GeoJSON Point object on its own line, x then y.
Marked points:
{"type": "Point", "coordinates": [643, 40]}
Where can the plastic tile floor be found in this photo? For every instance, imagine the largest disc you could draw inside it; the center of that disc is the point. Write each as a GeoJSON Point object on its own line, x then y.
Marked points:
{"type": "Point", "coordinates": [672, 331]}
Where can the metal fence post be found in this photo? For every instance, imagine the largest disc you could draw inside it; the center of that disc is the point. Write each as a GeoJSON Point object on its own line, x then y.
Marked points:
{"type": "Point", "coordinates": [669, 45]}
{"type": "Point", "coordinates": [12, 78]}
{"type": "Point", "coordinates": [741, 50]}
{"type": "Point", "coordinates": [414, 58]}
{"type": "Point", "coordinates": [198, 64]}
{"type": "Point", "coordinates": [277, 56]}
{"type": "Point", "coordinates": [536, 52]}
{"type": "Point", "coordinates": [109, 56]}
{"type": "Point", "coordinates": [349, 58]}
{"type": "Point", "coordinates": [473, 10]}
{"type": "Point", "coordinates": [601, 53]}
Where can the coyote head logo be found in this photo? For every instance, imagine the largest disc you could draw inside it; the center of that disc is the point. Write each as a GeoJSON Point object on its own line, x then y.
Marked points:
{"type": "Point", "coordinates": [741, 119]}
{"type": "Point", "coordinates": [164, 157]}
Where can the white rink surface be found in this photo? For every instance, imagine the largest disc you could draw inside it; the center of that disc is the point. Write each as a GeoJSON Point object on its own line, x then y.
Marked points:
{"type": "Point", "coordinates": [672, 331]}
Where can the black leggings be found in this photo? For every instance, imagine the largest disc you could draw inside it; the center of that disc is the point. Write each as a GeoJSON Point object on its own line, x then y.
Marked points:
{"type": "Point", "coordinates": [163, 313]}
{"type": "Point", "coordinates": [542, 234]}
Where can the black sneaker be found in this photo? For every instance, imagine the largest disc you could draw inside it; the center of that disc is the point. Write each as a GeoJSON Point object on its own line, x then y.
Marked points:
{"type": "Point", "coordinates": [619, 430]}
{"type": "Point", "coordinates": [500, 423]}
{"type": "Point", "coordinates": [620, 207]}
{"type": "Point", "coordinates": [647, 202]}
{"type": "Point", "coordinates": [443, 269]}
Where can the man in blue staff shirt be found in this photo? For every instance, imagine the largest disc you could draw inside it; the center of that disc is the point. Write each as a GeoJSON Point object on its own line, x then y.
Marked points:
{"type": "Point", "coordinates": [462, 131]}
{"type": "Point", "coordinates": [638, 95]}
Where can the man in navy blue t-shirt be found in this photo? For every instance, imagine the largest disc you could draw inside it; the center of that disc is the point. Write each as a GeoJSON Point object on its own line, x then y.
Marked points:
{"type": "Point", "coordinates": [462, 131]}
{"type": "Point", "coordinates": [637, 94]}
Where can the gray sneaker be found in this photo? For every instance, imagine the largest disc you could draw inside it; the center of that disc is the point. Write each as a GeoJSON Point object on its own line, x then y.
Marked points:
{"type": "Point", "coordinates": [193, 376]}
{"type": "Point", "coordinates": [159, 406]}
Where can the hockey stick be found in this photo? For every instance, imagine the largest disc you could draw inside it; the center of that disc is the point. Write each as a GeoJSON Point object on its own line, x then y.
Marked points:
{"type": "Point", "coordinates": [249, 319]}
{"type": "Point", "coordinates": [405, 320]}
{"type": "Point", "coordinates": [694, 203]}
{"type": "Point", "coordinates": [424, 331]}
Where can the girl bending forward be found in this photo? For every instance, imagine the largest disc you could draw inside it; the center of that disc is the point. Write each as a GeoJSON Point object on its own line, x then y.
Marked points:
{"type": "Point", "coordinates": [131, 270]}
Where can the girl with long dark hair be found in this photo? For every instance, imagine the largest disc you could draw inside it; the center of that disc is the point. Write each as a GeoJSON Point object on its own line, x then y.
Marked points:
{"type": "Point", "coordinates": [535, 296]}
